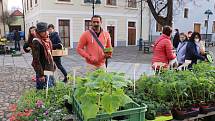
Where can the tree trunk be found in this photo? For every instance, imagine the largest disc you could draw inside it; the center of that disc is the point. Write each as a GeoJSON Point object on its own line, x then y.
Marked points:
{"type": "Point", "coordinates": [162, 20]}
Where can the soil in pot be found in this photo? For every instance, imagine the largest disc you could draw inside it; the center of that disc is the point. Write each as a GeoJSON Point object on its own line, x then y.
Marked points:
{"type": "Point", "coordinates": [206, 108]}
{"type": "Point", "coordinates": [179, 114]}
{"type": "Point", "coordinates": [185, 113]}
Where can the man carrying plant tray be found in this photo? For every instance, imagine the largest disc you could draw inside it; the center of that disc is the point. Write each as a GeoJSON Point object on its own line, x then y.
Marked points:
{"type": "Point", "coordinates": [95, 45]}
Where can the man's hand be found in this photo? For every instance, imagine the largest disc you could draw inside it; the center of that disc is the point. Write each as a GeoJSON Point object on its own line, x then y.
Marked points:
{"type": "Point", "coordinates": [173, 63]}
{"type": "Point", "coordinates": [92, 59]}
{"type": "Point", "coordinates": [108, 54]}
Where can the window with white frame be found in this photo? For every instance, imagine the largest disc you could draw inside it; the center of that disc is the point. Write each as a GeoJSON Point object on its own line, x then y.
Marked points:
{"type": "Point", "coordinates": [31, 3]}
{"type": "Point", "coordinates": [64, 0]}
{"type": "Point", "coordinates": [186, 10]}
{"type": "Point", "coordinates": [132, 3]}
{"type": "Point", "coordinates": [111, 2]}
{"type": "Point", "coordinates": [87, 24]}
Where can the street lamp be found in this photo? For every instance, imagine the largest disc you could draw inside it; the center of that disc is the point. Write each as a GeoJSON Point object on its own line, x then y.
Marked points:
{"type": "Point", "coordinates": [208, 13]}
{"type": "Point", "coordinates": [93, 2]}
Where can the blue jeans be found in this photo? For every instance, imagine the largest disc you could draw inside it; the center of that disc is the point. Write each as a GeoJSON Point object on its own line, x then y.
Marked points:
{"type": "Point", "coordinates": [42, 84]}
{"type": "Point", "coordinates": [17, 45]}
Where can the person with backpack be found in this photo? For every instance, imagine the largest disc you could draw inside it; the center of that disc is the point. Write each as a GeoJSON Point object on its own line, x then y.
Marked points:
{"type": "Point", "coordinates": [57, 44]}
{"type": "Point", "coordinates": [92, 44]}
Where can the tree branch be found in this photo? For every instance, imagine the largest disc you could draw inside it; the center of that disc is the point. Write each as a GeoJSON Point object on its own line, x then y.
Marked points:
{"type": "Point", "coordinates": [162, 9]}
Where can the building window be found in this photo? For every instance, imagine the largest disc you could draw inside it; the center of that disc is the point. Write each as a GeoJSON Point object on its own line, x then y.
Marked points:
{"type": "Point", "coordinates": [197, 27]}
{"type": "Point", "coordinates": [213, 27]}
{"type": "Point", "coordinates": [64, 32]}
{"type": "Point", "coordinates": [88, 1]}
{"type": "Point", "coordinates": [87, 24]}
{"type": "Point", "coordinates": [186, 10]}
{"type": "Point", "coordinates": [111, 2]}
{"type": "Point", "coordinates": [158, 27]}
{"type": "Point", "coordinates": [132, 3]}
{"type": "Point", "coordinates": [132, 24]}
{"type": "Point", "coordinates": [31, 3]}
{"type": "Point", "coordinates": [27, 5]}
{"type": "Point", "coordinates": [35, 1]}
{"type": "Point", "coordinates": [64, 0]}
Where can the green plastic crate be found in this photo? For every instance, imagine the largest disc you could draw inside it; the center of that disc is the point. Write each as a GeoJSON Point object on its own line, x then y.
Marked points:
{"type": "Point", "coordinates": [132, 112]}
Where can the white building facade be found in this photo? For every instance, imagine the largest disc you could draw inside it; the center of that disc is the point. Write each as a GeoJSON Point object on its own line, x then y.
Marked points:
{"type": "Point", "coordinates": [72, 17]}
{"type": "Point", "coordinates": [190, 16]}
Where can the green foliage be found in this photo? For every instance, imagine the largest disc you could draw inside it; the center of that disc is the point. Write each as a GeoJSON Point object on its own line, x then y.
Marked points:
{"type": "Point", "coordinates": [108, 50]}
{"type": "Point", "coordinates": [101, 92]}
{"type": "Point", "coordinates": [52, 108]}
{"type": "Point", "coordinates": [175, 88]}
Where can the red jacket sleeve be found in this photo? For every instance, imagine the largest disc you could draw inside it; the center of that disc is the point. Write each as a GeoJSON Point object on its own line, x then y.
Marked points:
{"type": "Point", "coordinates": [81, 45]}
{"type": "Point", "coordinates": [169, 48]}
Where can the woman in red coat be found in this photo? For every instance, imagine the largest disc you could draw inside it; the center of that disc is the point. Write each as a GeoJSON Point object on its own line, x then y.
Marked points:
{"type": "Point", "coordinates": [163, 49]}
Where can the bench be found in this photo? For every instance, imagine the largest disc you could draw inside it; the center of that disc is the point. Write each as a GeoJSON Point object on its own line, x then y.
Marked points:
{"type": "Point", "coordinates": [146, 47]}
{"type": "Point", "coordinates": [209, 43]}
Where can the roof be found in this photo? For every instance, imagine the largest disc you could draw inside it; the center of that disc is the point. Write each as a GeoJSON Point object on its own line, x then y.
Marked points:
{"type": "Point", "coordinates": [17, 13]}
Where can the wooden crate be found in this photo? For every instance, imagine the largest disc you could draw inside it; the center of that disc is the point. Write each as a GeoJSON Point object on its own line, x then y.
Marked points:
{"type": "Point", "coordinates": [62, 52]}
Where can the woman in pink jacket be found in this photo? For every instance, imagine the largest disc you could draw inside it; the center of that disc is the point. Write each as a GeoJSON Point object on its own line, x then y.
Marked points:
{"type": "Point", "coordinates": [163, 49]}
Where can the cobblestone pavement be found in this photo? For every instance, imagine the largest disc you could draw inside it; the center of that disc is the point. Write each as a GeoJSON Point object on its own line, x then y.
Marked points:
{"type": "Point", "coordinates": [13, 81]}
{"type": "Point", "coordinates": [16, 72]}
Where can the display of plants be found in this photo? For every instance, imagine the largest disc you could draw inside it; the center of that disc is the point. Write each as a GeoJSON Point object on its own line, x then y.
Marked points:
{"type": "Point", "coordinates": [34, 106]}
{"type": "Point", "coordinates": [101, 92]}
{"type": "Point", "coordinates": [183, 93]}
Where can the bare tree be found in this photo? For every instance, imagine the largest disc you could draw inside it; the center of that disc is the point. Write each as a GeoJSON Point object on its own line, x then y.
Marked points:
{"type": "Point", "coordinates": [162, 10]}
{"type": "Point", "coordinates": [7, 18]}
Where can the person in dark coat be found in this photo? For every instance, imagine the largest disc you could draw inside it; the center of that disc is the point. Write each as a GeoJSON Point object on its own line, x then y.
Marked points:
{"type": "Point", "coordinates": [42, 57]}
{"type": "Point", "coordinates": [57, 44]}
{"type": "Point", "coordinates": [192, 50]}
{"type": "Point", "coordinates": [176, 39]}
{"type": "Point", "coordinates": [17, 39]}
{"type": "Point", "coordinates": [31, 35]}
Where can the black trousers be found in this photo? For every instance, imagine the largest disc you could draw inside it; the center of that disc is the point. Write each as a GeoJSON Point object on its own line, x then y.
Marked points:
{"type": "Point", "coordinates": [57, 61]}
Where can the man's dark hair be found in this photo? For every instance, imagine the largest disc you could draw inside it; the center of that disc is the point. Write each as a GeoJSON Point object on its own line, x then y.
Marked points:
{"type": "Point", "coordinates": [51, 26]}
{"type": "Point", "coordinates": [97, 16]}
{"type": "Point", "coordinates": [167, 30]}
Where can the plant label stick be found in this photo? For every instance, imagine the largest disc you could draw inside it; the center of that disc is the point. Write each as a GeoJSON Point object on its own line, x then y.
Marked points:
{"type": "Point", "coordinates": [48, 74]}
{"type": "Point", "coordinates": [135, 66]}
{"type": "Point", "coordinates": [74, 72]}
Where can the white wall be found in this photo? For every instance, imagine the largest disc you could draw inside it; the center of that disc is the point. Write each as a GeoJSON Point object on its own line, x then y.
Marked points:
{"type": "Point", "coordinates": [195, 15]}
